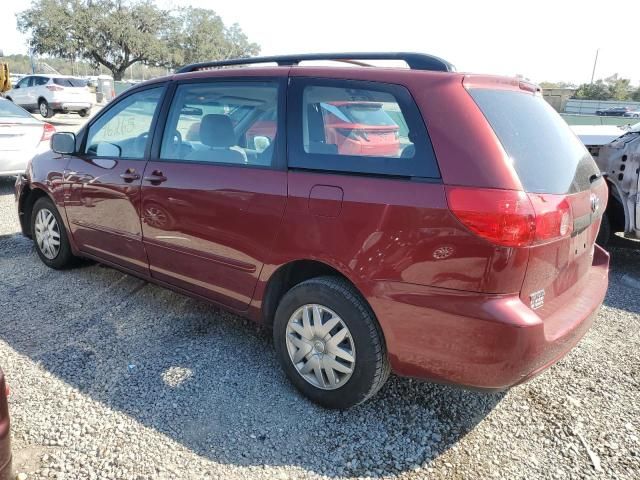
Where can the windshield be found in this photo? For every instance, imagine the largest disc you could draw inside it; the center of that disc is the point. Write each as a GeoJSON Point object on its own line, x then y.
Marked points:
{"type": "Point", "coordinates": [8, 109]}
{"type": "Point", "coordinates": [635, 127]}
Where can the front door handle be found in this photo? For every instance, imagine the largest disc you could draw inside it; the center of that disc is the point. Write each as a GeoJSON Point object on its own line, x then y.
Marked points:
{"type": "Point", "coordinates": [130, 175]}
{"type": "Point", "coordinates": [155, 178]}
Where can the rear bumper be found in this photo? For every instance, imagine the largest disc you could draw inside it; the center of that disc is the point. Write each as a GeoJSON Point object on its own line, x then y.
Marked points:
{"type": "Point", "coordinates": [5, 438]}
{"type": "Point", "coordinates": [481, 340]}
{"type": "Point", "coordinates": [6, 471]}
{"type": "Point", "coordinates": [71, 106]}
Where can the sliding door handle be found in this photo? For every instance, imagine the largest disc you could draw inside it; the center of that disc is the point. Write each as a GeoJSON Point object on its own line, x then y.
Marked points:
{"type": "Point", "coordinates": [155, 178]}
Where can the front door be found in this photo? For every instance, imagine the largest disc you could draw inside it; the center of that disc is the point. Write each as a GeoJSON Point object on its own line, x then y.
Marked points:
{"type": "Point", "coordinates": [214, 196]}
{"type": "Point", "coordinates": [102, 183]}
{"type": "Point", "coordinates": [20, 93]}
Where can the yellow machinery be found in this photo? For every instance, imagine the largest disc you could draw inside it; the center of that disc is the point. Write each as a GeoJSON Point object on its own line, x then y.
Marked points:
{"type": "Point", "coordinates": [5, 81]}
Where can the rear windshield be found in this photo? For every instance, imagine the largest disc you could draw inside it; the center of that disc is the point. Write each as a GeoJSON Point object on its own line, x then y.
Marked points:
{"type": "Point", "coordinates": [8, 109]}
{"type": "Point", "coordinates": [546, 154]}
{"type": "Point", "coordinates": [70, 82]}
{"type": "Point", "coordinates": [367, 114]}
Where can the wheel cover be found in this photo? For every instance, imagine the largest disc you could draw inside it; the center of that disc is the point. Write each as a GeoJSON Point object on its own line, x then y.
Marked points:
{"type": "Point", "coordinates": [47, 233]}
{"type": "Point", "coordinates": [43, 109]}
{"type": "Point", "coordinates": [155, 217]}
{"type": "Point", "coordinates": [320, 346]}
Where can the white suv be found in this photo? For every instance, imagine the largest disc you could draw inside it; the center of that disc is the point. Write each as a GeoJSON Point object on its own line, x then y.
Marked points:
{"type": "Point", "coordinates": [51, 94]}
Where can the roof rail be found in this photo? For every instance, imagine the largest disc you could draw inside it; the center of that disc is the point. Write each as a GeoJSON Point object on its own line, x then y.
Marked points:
{"type": "Point", "coordinates": [416, 61]}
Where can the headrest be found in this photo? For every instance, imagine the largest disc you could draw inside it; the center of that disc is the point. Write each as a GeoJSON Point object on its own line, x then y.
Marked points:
{"type": "Point", "coordinates": [217, 131]}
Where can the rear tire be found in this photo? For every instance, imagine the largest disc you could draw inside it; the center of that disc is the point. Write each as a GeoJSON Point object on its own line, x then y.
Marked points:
{"type": "Point", "coordinates": [50, 236]}
{"type": "Point", "coordinates": [44, 109]}
{"type": "Point", "coordinates": [84, 113]}
{"type": "Point", "coordinates": [357, 345]}
{"type": "Point", "coordinates": [604, 234]}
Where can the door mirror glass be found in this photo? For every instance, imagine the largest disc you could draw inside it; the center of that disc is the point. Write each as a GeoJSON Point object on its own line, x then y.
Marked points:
{"type": "Point", "coordinates": [105, 149]}
{"type": "Point", "coordinates": [261, 143]}
{"type": "Point", "coordinates": [63, 143]}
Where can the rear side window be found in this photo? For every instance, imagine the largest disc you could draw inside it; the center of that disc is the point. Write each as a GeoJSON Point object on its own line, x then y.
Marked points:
{"type": "Point", "coordinates": [40, 81]}
{"type": "Point", "coordinates": [546, 155]}
{"type": "Point", "coordinates": [70, 82]}
{"type": "Point", "coordinates": [358, 127]}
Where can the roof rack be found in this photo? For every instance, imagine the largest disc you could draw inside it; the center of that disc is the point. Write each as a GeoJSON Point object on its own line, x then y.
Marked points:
{"type": "Point", "coordinates": [415, 61]}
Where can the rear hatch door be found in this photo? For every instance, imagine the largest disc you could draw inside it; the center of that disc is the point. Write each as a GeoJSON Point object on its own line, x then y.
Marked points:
{"type": "Point", "coordinates": [561, 179]}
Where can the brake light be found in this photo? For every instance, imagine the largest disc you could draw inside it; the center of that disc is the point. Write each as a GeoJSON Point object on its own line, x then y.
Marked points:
{"type": "Point", "coordinates": [54, 88]}
{"type": "Point", "coordinates": [553, 216]}
{"type": "Point", "coordinates": [47, 132]}
{"type": "Point", "coordinates": [511, 218]}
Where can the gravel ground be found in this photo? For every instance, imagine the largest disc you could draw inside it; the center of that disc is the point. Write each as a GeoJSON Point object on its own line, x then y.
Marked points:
{"type": "Point", "coordinates": [114, 378]}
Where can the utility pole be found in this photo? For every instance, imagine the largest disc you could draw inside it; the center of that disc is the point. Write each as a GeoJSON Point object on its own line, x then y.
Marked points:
{"type": "Point", "coordinates": [595, 62]}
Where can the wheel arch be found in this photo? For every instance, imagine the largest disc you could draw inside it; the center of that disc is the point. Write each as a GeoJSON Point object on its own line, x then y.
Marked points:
{"type": "Point", "coordinates": [25, 206]}
{"type": "Point", "coordinates": [292, 273]}
{"type": "Point", "coordinates": [617, 209]}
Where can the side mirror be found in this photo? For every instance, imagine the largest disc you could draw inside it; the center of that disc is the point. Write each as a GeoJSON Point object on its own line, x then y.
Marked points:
{"type": "Point", "coordinates": [17, 85]}
{"type": "Point", "coordinates": [63, 143]}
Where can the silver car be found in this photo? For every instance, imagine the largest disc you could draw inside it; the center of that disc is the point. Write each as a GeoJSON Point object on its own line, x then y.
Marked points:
{"type": "Point", "coordinates": [21, 137]}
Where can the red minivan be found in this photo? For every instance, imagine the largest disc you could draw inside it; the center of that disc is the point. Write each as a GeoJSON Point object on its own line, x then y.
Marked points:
{"type": "Point", "coordinates": [464, 254]}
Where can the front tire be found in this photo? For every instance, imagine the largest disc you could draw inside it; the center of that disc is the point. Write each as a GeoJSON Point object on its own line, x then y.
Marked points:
{"type": "Point", "coordinates": [44, 109]}
{"type": "Point", "coordinates": [84, 113]}
{"type": "Point", "coordinates": [49, 235]}
{"type": "Point", "coordinates": [329, 343]}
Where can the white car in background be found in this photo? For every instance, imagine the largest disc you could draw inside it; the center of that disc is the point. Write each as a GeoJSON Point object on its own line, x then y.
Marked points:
{"type": "Point", "coordinates": [21, 138]}
{"type": "Point", "coordinates": [51, 94]}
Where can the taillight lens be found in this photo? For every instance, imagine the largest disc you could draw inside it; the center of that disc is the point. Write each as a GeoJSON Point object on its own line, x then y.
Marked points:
{"type": "Point", "coordinates": [47, 132]}
{"type": "Point", "coordinates": [511, 218]}
{"type": "Point", "coordinates": [54, 88]}
{"type": "Point", "coordinates": [553, 216]}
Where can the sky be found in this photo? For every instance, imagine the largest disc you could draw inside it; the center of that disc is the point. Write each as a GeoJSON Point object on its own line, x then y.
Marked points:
{"type": "Point", "coordinates": [542, 40]}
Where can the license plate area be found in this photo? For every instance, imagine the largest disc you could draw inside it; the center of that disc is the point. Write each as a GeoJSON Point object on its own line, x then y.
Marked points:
{"type": "Point", "coordinates": [580, 244]}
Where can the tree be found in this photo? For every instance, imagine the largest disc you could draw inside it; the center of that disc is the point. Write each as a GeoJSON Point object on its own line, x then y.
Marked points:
{"type": "Point", "coordinates": [610, 88]}
{"type": "Point", "coordinates": [593, 91]}
{"type": "Point", "coordinates": [199, 35]}
{"type": "Point", "coordinates": [120, 33]}
{"type": "Point", "coordinates": [549, 85]}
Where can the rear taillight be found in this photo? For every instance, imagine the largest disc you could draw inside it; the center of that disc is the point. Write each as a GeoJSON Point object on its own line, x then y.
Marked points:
{"type": "Point", "coordinates": [47, 132]}
{"type": "Point", "coordinates": [54, 88]}
{"type": "Point", "coordinates": [553, 216]}
{"type": "Point", "coordinates": [511, 218]}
